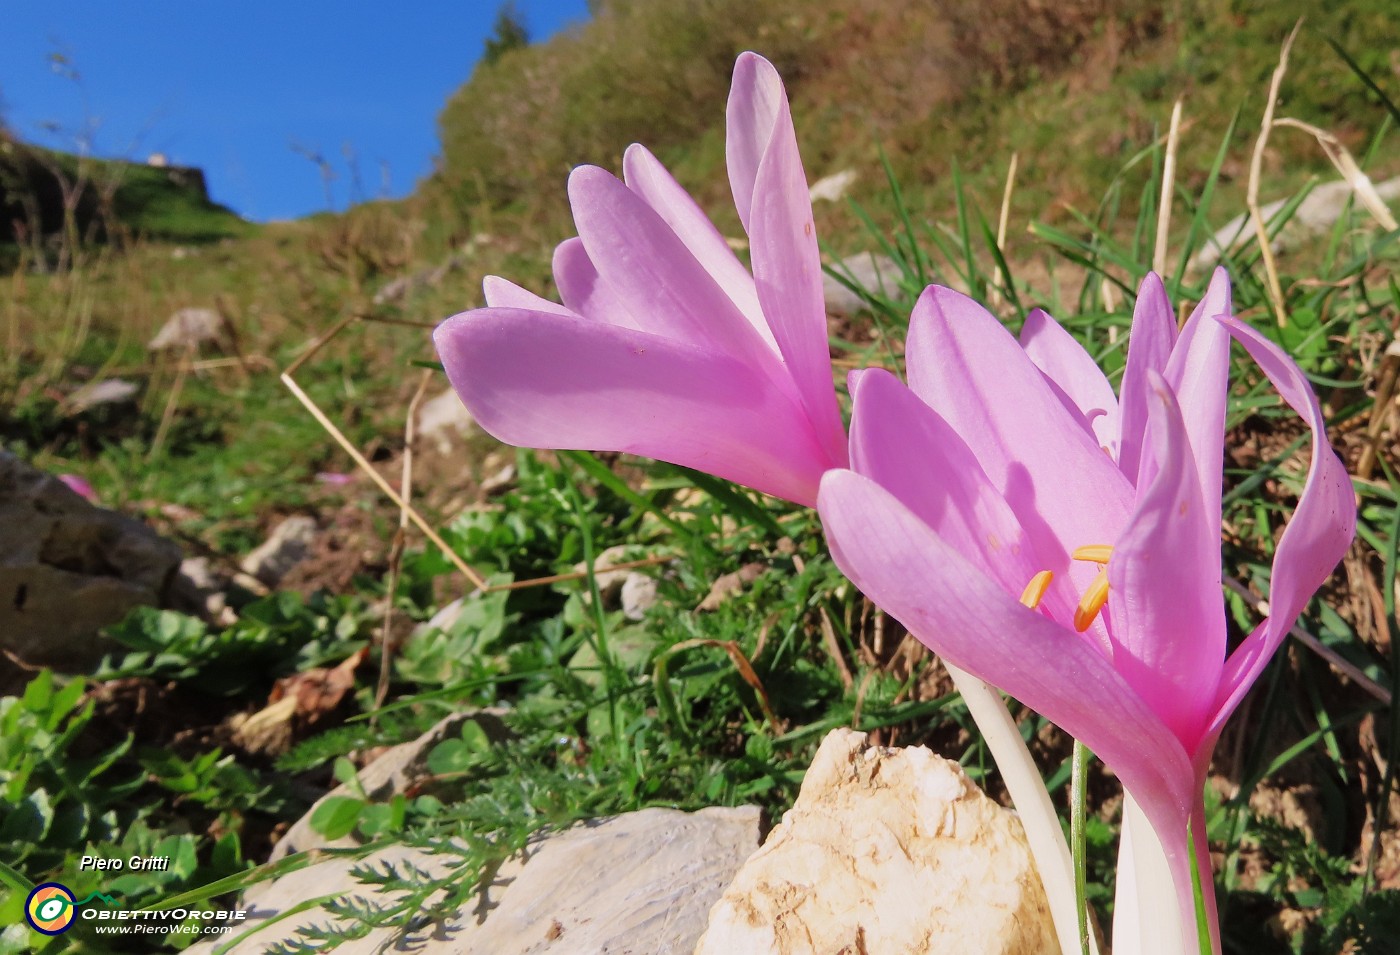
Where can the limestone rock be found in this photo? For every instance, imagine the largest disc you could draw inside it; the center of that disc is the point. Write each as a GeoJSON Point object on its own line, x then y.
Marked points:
{"type": "Point", "coordinates": [108, 391]}
{"type": "Point", "coordinates": [638, 595]}
{"type": "Point", "coordinates": [833, 187]}
{"type": "Point", "coordinates": [444, 421]}
{"type": "Point", "coordinates": [190, 328]}
{"type": "Point", "coordinates": [396, 769]}
{"type": "Point", "coordinates": [200, 591]}
{"type": "Point", "coordinates": [288, 545]}
{"type": "Point", "coordinates": [637, 883]}
{"type": "Point", "coordinates": [67, 568]}
{"type": "Point", "coordinates": [1316, 214]}
{"type": "Point", "coordinates": [879, 274]}
{"type": "Point", "coordinates": [610, 581]}
{"type": "Point", "coordinates": [889, 851]}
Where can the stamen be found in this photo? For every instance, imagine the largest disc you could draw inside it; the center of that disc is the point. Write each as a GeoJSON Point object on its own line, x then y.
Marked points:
{"type": "Point", "coordinates": [1092, 602]}
{"type": "Point", "coordinates": [1096, 553]}
{"type": "Point", "coordinates": [1035, 590]}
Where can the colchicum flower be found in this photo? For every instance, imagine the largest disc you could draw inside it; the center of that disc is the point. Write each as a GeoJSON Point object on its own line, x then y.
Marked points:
{"type": "Point", "coordinates": [1003, 461]}
{"type": "Point", "coordinates": [665, 345]}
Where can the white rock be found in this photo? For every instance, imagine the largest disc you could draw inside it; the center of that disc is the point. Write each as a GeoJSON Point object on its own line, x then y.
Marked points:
{"type": "Point", "coordinates": [877, 273]}
{"type": "Point", "coordinates": [637, 883]}
{"type": "Point", "coordinates": [288, 545]}
{"type": "Point", "coordinates": [610, 581]}
{"type": "Point", "coordinates": [833, 187]}
{"type": "Point", "coordinates": [198, 590]}
{"type": "Point", "coordinates": [190, 328]}
{"type": "Point", "coordinates": [886, 850]}
{"type": "Point", "coordinates": [499, 481]}
{"type": "Point", "coordinates": [444, 421]}
{"type": "Point", "coordinates": [638, 595]}
{"type": "Point", "coordinates": [108, 391]}
{"type": "Point", "coordinates": [394, 771]}
{"type": "Point", "coordinates": [1316, 214]}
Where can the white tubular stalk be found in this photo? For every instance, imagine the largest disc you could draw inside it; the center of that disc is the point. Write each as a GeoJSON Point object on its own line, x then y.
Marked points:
{"type": "Point", "coordinates": [1146, 912]}
{"type": "Point", "coordinates": [1032, 801]}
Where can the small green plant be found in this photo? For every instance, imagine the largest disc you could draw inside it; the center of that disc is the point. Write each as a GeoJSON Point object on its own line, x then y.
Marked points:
{"type": "Point", "coordinates": [56, 799]}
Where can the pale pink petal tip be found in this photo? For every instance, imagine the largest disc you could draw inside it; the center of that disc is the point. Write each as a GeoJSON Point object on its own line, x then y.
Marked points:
{"type": "Point", "coordinates": [79, 486]}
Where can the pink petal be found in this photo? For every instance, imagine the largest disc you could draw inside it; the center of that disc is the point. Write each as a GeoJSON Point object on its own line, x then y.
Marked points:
{"type": "Point", "coordinates": [1074, 375]}
{"type": "Point", "coordinates": [79, 486]}
{"type": "Point", "coordinates": [1149, 348]}
{"type": "Point", "coordinates": [787, 270]}
{"type": "Point", "coordinates": [540, 379]}
{"type": "Point", "coordinates": [756, 97]}
{"type": "Point", "coordinates": [645, 176]}
{"type": "Point", "coordinates": [585, 292]}
{"type": "Point", "coordinates": [502, 293]}
{"type": "Point", "coordinates": [1168, 621]}
{"type": "Point", "coordinates": [1316, 538]}
{"type": "Point", "coordinates": [901, 444]}
{"type": "Point", "coordinates": [1064, 490]}
{"type": "Point", "coordinates": [967, 617]}
{"type": "Point", "coordinates": [652, 273]}
{"type": "Point", "coordinates": [1199, 375]}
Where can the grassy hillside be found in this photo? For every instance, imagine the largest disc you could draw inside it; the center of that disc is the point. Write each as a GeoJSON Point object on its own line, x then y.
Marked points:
{"type": "Point", "coordinates": [1074, 88]}
{"type": "Point", "coordinates": [50, 198]}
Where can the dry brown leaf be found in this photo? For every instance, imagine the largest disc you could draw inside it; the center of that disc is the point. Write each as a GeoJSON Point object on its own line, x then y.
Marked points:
{"type": "Point", "coordinates": [729, 585]}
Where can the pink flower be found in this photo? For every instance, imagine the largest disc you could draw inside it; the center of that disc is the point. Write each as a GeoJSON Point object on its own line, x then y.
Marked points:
{"type": "Point", "coordinates": [665, 345]}
{"type": "Point", "coordinates": [79, 486]}
{"type": "Point", "coordinates": [1005, 459]}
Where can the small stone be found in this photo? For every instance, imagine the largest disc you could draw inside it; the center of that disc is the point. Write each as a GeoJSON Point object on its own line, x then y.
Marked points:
{"type": "Point", "coordinates": [610, 581]}
{"type": "Point", "coordinates": [444, 421]}
{"type": "Point", "coordinates": [886, 850]}
{"type": "Point", "coordinates": [638, 595]}
{"type": "Point", "coordinates": [878, 274]}
{"type": "Point", "coordinates": [288, 545]}
{"type": "Point", "coordinates": [499, 481]}
{"type": "Point", "coordinates": [190, 328]}
{"type": "Point", "coordinates": [833, 187]}
{"type": "Point", "coordinates": [1317, 213]}
{"type": "Point", "coordinates": [197, 590]}
{"type": "Point", "coordinates": [394, 771]}
{"type": "Point", "coordinates": [728, 585]}
{"type": "Point", "coordinates": [108, 391]}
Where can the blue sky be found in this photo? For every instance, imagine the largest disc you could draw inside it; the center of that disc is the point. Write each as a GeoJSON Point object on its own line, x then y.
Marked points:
{"type": "Point", "coordinates": [232, 86]}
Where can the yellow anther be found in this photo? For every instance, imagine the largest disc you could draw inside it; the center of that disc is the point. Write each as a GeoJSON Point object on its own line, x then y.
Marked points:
{"type": "Point", "coordinates": [1097, 553]}
{"type": "Point", "coordinates": [1035, 590]}
{"type": "Point", "coordinates": [1092, 602]}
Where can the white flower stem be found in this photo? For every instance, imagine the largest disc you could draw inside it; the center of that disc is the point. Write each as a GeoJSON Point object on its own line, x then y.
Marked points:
{"type": "Point", "coordinates": [1032, 800]}
{"type": "Point", "coordinates": [1147, 919]}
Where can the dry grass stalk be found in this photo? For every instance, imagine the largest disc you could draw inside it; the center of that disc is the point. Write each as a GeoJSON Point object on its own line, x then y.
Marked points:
{"type": "Point", "coordinates": [1380, 410]}
{"type": "Point", "coordinates": [406, 511]}
{"type": "Point", "coordinates": [1350, 170]}
{"type": "Point", "coordinates": [1256, 165]}
{"type": "Point", "coordinates": [168, 415]}
{"type": "Point", "coordinates": [996, 297]}
{"type": "Point", "coordinates": [741, 664]}
{"type": "Point", "coordinates": [1164, 206]}
{"type": "Point", "coordinates": [360, 461]}
{"type": "Point", "coordinates": [396, 550]}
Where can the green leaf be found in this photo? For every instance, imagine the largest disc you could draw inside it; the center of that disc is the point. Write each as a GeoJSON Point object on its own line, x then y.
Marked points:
{"type": "Point", "coordinates": [335, 818]}
{"type": "Point", "coordinates": [29, 820]}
